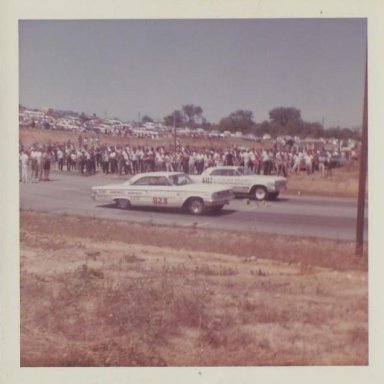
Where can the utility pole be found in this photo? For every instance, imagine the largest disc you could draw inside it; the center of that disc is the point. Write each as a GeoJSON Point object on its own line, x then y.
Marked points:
{"type": "Point", "coordinates": [174, 128]}
{"type": "Point", "coordinates": [363, 169]}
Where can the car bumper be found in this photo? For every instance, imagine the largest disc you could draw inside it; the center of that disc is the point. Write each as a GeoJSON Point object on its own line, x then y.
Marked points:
{"type": "Point", "coordinates": [277, 188]}
{"type": "Point", "coordinates": [216, 203]}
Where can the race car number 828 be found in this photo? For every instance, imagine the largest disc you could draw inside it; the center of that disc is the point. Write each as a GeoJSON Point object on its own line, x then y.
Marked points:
{"type": "Point", "coordinates": [160, 201]}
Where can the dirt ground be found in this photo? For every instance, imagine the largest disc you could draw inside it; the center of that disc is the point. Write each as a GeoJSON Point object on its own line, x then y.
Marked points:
{"type": "Point", "coordinates": [104, 293]}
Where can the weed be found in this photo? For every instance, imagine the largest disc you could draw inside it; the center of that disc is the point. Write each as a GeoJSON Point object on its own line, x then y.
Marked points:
{"type": "Point", "coordinates": [141, 308]}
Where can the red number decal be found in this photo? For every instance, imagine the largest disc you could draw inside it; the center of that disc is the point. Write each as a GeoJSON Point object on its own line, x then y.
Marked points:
{"type": "Point", "coordinates": [160, 201]}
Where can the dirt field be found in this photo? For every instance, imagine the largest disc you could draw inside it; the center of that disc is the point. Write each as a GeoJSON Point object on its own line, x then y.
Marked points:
{"type": "Point", "coordinates": [102, 293]}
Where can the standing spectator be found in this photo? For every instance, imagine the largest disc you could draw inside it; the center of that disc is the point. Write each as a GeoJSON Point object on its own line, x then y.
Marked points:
{"type": "Point", "coordinates": [24, 159]}
{"type": "Point", "coordinates": [34, 165]}
{"type": "Point", "coordinates": [266, 162]}
{"type": "Point", "coordinates": [60, 158]}
{"type": "Point", "coordinates": [308, 159]}
{"type": "Point", "coordinates": [105, 161]}
{"type": "Point", "coordinates": [47, 156]}
{"type": "Point", "coordinates": [199, 163]}
{"type": "Point", "coordinates": [297, 159]}
{"type": "Point", "coordinates": [246, 158]}
{"type": "Point", "coordinates": [322, 161]}
{"type": "Point", "coordinates": [98, 158]}
{"type": "Point", "coordinates": [120, 161]}
{"type": "Point", "coordinates": [39, 157]}
{"type": "Point", "coordinates": [127, 162]}
{"type": "Point", "coordinates": [73, 158]}
{"type": "Point", "coordinates": [191, 163]}
{"type": "Point", "coordinates": [168, 162]}
{"type": "Point", "coordinates": [113, 160]}
{"type": "Point", "coordinates": [228, 158]}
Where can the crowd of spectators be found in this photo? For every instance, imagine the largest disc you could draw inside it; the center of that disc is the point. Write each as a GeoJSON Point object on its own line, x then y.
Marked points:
{"type": "Point", "coordinates": [88, 156]}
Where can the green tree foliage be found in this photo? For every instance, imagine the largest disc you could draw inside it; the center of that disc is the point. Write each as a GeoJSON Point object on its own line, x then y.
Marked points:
{"type": "Point", "coordinates": [241, 120]}
{"type": "Point", "coordinates": [284, 115]}
{"type": "Point", "coordinates": [192, 114]}
{"type": "Point", "coordinates": [176, 118]}
{"type": "Point", "coordinates": [146, 119]}
{"type": "Point", "coordinates": [287, 121]}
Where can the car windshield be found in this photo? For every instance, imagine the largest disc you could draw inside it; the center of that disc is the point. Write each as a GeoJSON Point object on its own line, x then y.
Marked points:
{"type": "Point", "coordinates": [181, 179]}
{"type": "Point", "coordinates": [244, 171]}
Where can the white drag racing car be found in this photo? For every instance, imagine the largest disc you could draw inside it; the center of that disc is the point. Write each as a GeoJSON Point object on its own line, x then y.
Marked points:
{"type": "Point", "coordinates": [244, 182]}
{"type": "Point", "coordinates": [165, 189]}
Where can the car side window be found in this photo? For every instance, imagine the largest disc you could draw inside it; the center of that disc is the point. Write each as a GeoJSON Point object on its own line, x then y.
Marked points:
{"type": "Point", "coordinates": [161, 180]}
{"type": "Point", "coordinates": [143, 181]}
{"type": "Point", "coordinates": [217, 172]}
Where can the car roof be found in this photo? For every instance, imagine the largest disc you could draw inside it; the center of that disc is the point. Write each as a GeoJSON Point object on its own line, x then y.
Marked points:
{"type": "Point", "coordinates": [154, 174]}
{"type": "Point", "coordinates": [162, 173]}
{"type": "Point", "coordinates": [226, 167]}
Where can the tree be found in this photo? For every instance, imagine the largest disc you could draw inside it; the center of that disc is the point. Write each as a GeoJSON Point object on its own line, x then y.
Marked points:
{"type": "Point", "coordinates": [175, 118]}
{"type": "Point", "coordinates": [284, 115]}
{"type": "Point", "coordinates": [192, 113]}
{"type": "Point", "coordinates": [241, 120]}
{"type": "Point", "coordinates": [146, 119]}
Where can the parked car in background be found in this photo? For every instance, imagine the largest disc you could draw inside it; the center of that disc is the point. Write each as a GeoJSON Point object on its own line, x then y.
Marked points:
{"type": "Point", "coordinates": [165, 189]}
{"type": "Point", "coordinates": [244, 181]}
{"type": "Point", "coordinates": [337, 161]}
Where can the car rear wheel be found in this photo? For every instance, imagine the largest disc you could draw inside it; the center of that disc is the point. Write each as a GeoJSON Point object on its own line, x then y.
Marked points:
{"type": "Point", "coordinates": [260, 193]}
{"type": "Point", "coordinates": [122, 203]}
{"type": "Point", "coordinates": [196, 206]}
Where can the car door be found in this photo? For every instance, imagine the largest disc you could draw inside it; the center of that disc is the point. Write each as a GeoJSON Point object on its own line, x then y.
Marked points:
{"type": "Point", "coordinates": [227, 176]}
{"type": "Point", "coordinates": [235, 180]}
{"type": "Point", "coordinates": [163, 193]}
{"type": "Point", "coordinates": [140, 191]}
{"type": "Point", "coordinates": [216, 176]}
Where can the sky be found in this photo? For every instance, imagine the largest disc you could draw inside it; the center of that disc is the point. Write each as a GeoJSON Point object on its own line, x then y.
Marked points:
{"type": "Point", "coordinates": [131, 68]}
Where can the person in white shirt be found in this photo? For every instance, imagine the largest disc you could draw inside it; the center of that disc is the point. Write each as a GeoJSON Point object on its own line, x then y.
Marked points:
{"type": "Point", "coordinates": [297, 159]}
{"type": "Point", "coordinates": [60, 159]}
{"type": "Point", "coordinates": [266, 162]}
{"type": "Point", "coordinates": [246, 157]}
{"type": "Point", "coordinates": [24, 158]}
{"type": "Point", "coordinates": [40, 163]}
{"type": "Point", "coordinates": [308, 159]}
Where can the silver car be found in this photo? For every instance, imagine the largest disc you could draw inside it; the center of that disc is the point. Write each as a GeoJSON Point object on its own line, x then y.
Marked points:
{"type": "Point", "coordinates": [165, 189]}
{"type": "Point", "coordinates": [244, 181]}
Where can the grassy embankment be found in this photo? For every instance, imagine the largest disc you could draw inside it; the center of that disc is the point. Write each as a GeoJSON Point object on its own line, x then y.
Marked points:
{"type": "Point", "coordinates": [102, 293]}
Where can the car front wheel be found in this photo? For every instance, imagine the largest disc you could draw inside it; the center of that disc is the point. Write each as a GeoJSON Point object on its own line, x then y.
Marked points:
{"type": "Point", "coordinates": [196, 206]}
{"type": "Point", "coordinates": [122, 203]}
{"type": "Point", "coordinates": [260, 193]}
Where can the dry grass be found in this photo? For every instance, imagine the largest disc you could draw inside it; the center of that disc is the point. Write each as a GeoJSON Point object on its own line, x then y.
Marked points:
{"type": "Point", "coordinates": [101, 293]}
{"type": "Point", "coordinates": [339, 182]}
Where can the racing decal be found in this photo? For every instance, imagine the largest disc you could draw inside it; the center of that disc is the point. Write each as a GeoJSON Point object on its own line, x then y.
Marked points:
{"type": "Point", "coordinates": [207, 180]}
{"type": "Point", "coordinates": [160, 201]}
{"type": "Point", "coordinates": [118, 192]}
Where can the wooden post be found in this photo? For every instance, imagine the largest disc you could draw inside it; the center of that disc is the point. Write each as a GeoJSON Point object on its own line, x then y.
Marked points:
{"type": "Point", "coordinates": [363, 169]}
{"type": "Point", "coordinates": [174, 129]}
